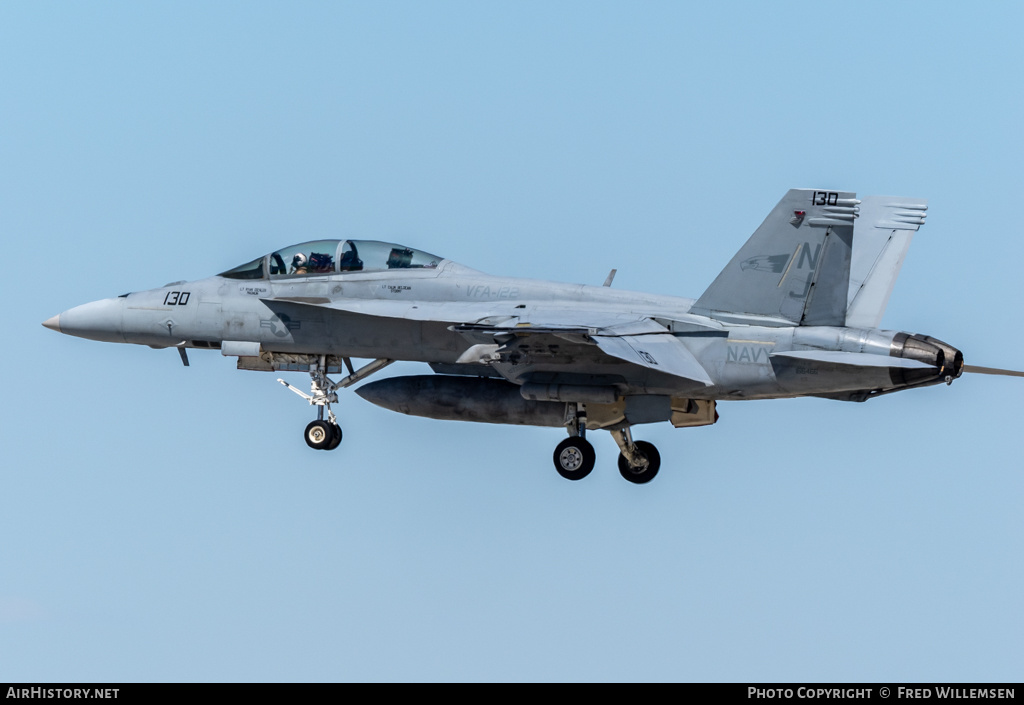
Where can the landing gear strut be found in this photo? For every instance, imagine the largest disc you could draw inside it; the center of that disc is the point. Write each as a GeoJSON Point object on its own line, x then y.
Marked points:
{"type": "Point", "coordinates": [574, 457]}
{"type": "Point", "coordinates": [639, 461]}
{"type": "Point", "coordinates": [326, 434]}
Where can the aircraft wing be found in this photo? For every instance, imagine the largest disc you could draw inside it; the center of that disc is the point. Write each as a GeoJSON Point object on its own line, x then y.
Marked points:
{"type": "Point", "coordinates": [631, 337]}
{"type": "Point", "coordinates": [492, 313]}
{"type": "Point", "coordinates": [642, 342]}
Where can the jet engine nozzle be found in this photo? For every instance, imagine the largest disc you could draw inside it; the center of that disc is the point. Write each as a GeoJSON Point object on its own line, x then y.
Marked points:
{"type": "Point", "coordinates": [954, 359]}
{"type": "Point", "coordinates": [947, 362]}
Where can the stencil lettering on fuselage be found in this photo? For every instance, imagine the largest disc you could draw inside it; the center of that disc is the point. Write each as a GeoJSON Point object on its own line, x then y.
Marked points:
{"type": "Point", "coordinates": [483, 291]}
{"type": "Point", "coordinates": [747, 354]}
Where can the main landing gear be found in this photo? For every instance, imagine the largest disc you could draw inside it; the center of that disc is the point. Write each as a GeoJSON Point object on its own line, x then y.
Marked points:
{"type": "Point", "coordinates": [639, 461]}
{"type": "Point", "coordinates": [574, 458]}
{"type": "Point", "coordinates": [325, 434]}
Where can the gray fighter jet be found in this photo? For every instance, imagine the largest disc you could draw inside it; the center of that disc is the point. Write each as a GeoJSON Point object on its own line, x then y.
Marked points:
{"type": "Point", "coordinates": [795, 313]}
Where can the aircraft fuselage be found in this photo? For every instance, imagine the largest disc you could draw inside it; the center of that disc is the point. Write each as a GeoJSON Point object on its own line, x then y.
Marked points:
{"type": "Point", "coordinates": [286, 317]}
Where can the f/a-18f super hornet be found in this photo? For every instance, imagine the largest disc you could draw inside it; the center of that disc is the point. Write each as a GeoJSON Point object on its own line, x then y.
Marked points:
{"type": "Point", "coordinates": [795, 313]}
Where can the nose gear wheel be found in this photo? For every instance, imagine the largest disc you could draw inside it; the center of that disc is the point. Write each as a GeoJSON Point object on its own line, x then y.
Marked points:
{"type": "Point", "coordinates": [322, 435]}
{"type": "Point", "coordinates": [325, 434]}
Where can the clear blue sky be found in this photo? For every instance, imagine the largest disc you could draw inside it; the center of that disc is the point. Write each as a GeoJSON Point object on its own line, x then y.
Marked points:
{"type": "Point", "coordinates": [168, 524]}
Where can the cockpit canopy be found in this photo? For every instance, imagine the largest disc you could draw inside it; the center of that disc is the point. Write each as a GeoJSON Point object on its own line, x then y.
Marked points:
{"type": "Point", "coordinates": [333, 256]}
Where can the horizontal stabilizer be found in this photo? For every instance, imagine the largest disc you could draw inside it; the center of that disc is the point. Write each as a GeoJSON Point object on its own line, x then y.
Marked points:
{"type": "Point", "coordinates": [660, 352]}
{"type": "Point", "coordinates": [852, 358]}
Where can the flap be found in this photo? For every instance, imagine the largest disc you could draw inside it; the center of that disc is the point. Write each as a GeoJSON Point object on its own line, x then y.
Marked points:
{"type": "Point", "coordinates": [661, 352]}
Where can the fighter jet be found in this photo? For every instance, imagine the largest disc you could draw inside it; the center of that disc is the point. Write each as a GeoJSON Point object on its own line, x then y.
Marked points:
{"type": "Point", "coordinates": [795, 313]}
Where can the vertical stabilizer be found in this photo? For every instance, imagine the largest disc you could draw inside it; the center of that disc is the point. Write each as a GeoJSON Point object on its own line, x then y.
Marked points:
{"type": "Point", "coordinates": [794, 269]}
{"type": "Point", "coordinates": [881, 237]}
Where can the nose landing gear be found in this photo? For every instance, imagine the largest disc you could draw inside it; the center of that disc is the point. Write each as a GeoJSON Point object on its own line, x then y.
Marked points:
{"type": "Point", "coordinates": [323, 435]}
{"type": "Point", "coordinates": [326, 434]}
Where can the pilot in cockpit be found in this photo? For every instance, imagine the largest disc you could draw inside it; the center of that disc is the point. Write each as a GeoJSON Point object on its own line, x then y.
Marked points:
{"type": "Point", "coordinates": [299, 264]}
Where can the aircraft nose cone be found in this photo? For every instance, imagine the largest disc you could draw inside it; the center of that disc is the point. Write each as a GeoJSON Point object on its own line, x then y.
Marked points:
{"type": "Point", "coordinates": [99, 320]}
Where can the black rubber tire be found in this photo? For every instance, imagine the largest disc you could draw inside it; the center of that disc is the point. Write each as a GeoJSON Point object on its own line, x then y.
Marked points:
{"type": "Point", "coordinates": [646, 474]}
{"type": "Point", "coordinates": [574, 458]}
{"type": "Point", "coordinates": [318, 435]}
{"type": "Point", "coordinates": [335, 437]}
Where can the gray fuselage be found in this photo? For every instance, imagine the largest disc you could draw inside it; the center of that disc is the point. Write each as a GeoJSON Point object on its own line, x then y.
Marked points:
{"type": "Point", "coordinates": [339, 314]}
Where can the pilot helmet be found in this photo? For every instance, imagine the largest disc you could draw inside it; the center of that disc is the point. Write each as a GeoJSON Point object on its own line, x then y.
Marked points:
{"type": "Point", "coordinates": [299, 260]}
